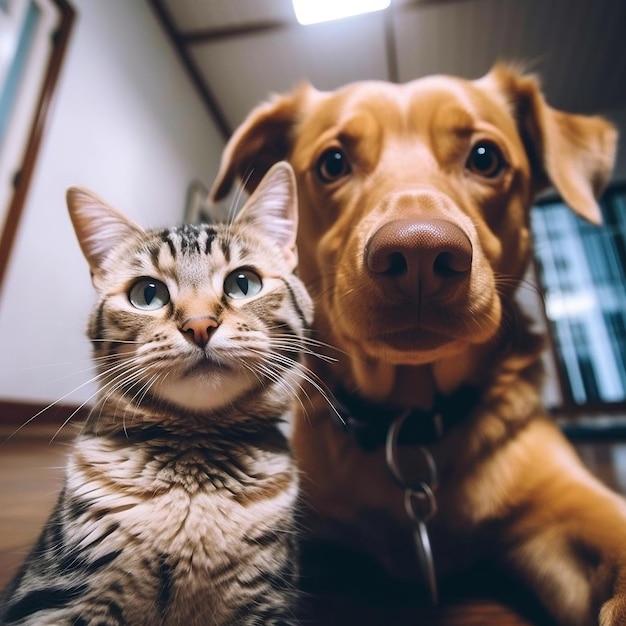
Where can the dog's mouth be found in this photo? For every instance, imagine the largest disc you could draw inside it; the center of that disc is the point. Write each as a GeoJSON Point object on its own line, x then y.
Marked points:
{"type": "Point", "coordinates": [370, 321]}
{"type": "Point", "coordinates": [416, 342]}
{"type": "Point", "coordinates": [405, 345]}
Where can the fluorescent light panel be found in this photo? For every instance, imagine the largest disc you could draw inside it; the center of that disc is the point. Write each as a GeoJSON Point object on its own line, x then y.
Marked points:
{"type": "Point", "coordinates": [315, 11]}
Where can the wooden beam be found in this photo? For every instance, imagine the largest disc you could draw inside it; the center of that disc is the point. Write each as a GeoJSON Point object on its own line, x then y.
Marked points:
{"type": "Point", "coordinates": [210, 35]}
{"type": "Point", "coordinates": [205, 92]}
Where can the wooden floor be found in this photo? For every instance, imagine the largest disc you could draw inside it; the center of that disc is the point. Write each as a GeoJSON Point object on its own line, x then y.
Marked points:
{"type": "Point", "coordinates": [31, 476]}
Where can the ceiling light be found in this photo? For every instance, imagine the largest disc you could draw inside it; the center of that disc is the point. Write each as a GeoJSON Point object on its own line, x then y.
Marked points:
{"type": "Point", "coordinates": [314, 11]}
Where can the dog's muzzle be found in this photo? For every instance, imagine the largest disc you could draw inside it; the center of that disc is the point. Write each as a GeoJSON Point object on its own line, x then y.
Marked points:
{"type": "Point", "coordinates": [418, 260]}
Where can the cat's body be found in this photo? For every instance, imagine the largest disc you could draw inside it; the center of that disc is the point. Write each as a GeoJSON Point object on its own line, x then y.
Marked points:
{"type": "Point", "coordinates": [180, 496]}
{"type": "Point", "coordinates": [165, 537]}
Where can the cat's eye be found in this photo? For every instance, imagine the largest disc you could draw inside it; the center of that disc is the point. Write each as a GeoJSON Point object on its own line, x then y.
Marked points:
{"type": "Point", "coordinates": [148, 294]}
{"type": "Point", "coordinates": [242, 284]}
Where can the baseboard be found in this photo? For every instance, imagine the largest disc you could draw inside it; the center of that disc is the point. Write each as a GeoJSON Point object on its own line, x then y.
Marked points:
{"type": "Point", "coordinates": [20, 413]}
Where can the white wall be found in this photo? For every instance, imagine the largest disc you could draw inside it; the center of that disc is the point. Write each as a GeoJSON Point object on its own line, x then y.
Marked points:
{"type": "Point", "coordinates": [128, 124]}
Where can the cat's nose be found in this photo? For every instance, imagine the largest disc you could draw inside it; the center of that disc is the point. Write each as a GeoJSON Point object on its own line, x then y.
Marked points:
{"type": "Point", "coordinates": [199, 329]}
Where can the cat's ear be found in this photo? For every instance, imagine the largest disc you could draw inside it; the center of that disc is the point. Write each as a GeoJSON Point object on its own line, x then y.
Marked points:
{"type": "Point", "coordinates": [273, 210]}
{"type": "Point", "coordinates": [99, 227]}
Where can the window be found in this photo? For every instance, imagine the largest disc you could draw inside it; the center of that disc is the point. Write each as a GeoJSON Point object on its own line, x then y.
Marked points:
{"type": "Point", "coordinates": [582, 272]}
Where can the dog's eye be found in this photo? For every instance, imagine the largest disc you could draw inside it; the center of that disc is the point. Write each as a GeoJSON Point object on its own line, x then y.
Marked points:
{"type": "Point", "coordinates": [486, 160]}
{"type": "Point", "coordinates": [332, 165]}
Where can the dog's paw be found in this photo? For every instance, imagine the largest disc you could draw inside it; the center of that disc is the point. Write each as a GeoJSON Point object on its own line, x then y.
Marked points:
{"type": "Point", "coordinates": [613, 612]}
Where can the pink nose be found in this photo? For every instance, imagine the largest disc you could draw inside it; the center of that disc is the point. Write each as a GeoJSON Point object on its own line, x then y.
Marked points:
{"type": "Point", "coordinates": [199, 329]}
{"type": "Point", "coordinates": [419, 259]}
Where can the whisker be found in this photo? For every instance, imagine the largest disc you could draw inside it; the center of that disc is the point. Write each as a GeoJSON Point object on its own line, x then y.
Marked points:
{"type": "Point", "coordinates": [138, 397]}
{"type": "Point", "coordinates": [76, 411]}
{"type": "Point", "coordinates": [302, 350]}
{"type": "Point", "coordinates": [90, 381]}
{"type": "Point", "coordinates": [239, 195]}
{"type": "Point", "coordinates": [286, 364]}
{"type": "Point", "coordinates": [307, 341]}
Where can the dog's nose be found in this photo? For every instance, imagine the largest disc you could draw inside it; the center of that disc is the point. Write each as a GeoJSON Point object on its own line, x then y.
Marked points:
{"type": "Point", "coordinates": [419, 259]}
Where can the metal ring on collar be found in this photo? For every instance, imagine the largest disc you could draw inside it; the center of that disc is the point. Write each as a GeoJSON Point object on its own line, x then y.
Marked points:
{"type": "Point", "coordinates": [391, 457]}
{"type": "Point", "coordinates": [420, 504]}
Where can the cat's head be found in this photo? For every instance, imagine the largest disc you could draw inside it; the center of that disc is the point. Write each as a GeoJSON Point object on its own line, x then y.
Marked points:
{"type": "Point", "coordinates": [196, 317]}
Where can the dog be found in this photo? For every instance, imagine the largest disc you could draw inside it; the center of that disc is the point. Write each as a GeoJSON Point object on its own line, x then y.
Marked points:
{"type": "Point", "coordinates": [414, 237]}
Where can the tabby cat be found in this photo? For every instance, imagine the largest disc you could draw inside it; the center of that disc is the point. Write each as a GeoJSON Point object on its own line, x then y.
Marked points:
{"type": "Point", "coordinates": [179, 501]}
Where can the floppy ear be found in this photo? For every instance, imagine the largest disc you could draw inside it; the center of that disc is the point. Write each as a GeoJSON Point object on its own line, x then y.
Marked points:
{"type": "Point", "coordinates": [574, 153]}
{"type": "Point", "coordinates": [263, 139]}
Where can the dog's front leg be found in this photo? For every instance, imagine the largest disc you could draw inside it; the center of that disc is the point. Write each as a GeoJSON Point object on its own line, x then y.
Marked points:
{"type": "Point", "coordinates": [566, 534]}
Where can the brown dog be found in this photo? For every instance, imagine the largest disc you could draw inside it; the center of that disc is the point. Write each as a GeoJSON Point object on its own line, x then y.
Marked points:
{"type": "Point", "coordinates": [414, 234]}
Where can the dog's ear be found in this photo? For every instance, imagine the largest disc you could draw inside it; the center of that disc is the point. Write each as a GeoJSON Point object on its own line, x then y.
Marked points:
{"type": "Point", "coordinates": [263, 139]}
{"type": "Point", "coordinates": [574, 153]}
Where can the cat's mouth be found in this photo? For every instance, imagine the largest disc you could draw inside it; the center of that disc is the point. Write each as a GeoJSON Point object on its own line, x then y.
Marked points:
{"type": "Point", "coordinates": [207, 364]}
{"type": "Point", "coordinates": [205, 385]}
{"type": "Point", "coordinates": [210, 363]}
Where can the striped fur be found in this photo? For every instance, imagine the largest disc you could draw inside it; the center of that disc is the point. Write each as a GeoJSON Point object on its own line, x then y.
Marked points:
{"type": "Point", "coordinates": [180, 494]}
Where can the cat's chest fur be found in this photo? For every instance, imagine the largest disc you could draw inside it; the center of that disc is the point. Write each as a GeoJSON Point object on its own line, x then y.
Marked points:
{"type": "Point", "coordinates": [181, 514]}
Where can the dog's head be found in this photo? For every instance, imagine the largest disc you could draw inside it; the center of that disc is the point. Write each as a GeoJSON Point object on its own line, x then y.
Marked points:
{"type": "Point", "coordinates": [414, 200]}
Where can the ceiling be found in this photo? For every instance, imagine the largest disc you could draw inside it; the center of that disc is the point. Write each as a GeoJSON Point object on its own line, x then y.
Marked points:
{"type": "Point", "coordinates": [238, 52]}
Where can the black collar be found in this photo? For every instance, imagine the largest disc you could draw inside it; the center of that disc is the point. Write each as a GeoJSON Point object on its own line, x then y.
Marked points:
{"type": "Point", "coordinates": [368, 423]}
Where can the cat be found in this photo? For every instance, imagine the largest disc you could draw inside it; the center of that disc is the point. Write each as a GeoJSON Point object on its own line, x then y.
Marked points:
{"type": "Point", "coordinates": [180, 497]}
